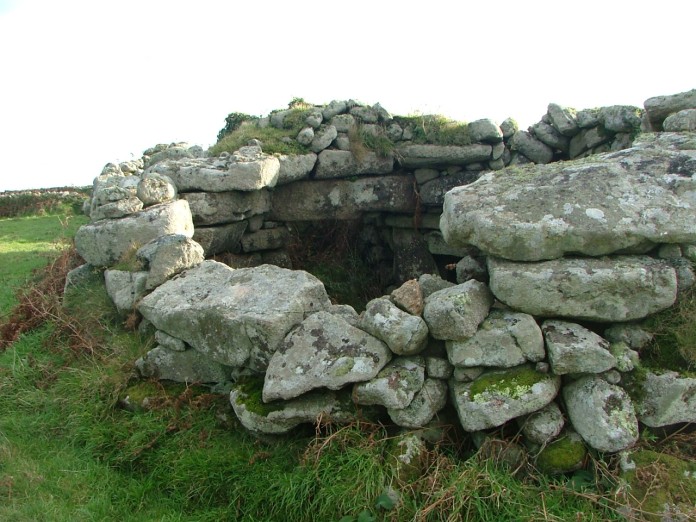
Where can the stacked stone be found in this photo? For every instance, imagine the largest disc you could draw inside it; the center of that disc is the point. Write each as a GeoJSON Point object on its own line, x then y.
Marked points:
{"type": "Point", "coordinates": [597, 240]}
{"type": "Point", "coordinates": [557, 263]}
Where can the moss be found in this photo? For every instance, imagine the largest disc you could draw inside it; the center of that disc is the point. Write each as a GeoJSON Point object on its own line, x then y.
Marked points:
{"type": "Point", "coordinates": [512, 383]}
{"type": "Point", "coordinates": [342, 368]}
{"type": "Point", "coordinates": [250, 389]}
{"type": "Point", "coordinates": [660, 480]}
{"type": "Point", "coordinates": [563, 455]}
{"type": "Point", "coordinates": [633, 383]}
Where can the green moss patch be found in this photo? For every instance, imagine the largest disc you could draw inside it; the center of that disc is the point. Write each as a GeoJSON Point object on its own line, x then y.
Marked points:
{"type": "Point", "coordinates": [563, 455]}
{"type": "Point", "coordinates": [512, 383]}
{"type": "Point", "coordinates": [250, 390]}
{"type": "Point", "coordinates": [661, 482]}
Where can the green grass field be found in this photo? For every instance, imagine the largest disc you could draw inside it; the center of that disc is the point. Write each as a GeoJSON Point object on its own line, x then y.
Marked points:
{"type": "Point", "coordinates": [71, 451]}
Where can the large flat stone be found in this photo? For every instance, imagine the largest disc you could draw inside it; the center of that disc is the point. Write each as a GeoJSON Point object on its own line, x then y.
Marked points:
{"type": "Point", "coordinates": [217, 208]}
{"type": "Point", "coordinates": [343, 164]}
{"type": "Point", "coordinates": [342, 199]}
{"type": "Point", "coordinates": [414, 156]}
{"type": "Point", "coordinates": [599, 205]}
{"type": "Point", "coordinates": [236, 317]}
{"type": "Point", "coordinates": [608, 289]}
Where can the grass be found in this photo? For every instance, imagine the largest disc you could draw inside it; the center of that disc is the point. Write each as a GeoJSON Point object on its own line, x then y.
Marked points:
{"type": "Point", "coordinates": [71, 451]}
{"type": "Point", "coordinates": [674, 344]}
{"type": "Point", "coordinates": [362, 141]}
{"type": "Point", "coordinates": [27, 244]}
{"type": "Point", "coordinates": [272, 140]}
{"type": "Point", "coordinates": [435, 129]}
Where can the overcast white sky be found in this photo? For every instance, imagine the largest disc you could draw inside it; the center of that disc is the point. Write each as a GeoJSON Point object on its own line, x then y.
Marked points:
{"type": "Point", "coordinates": [85, 82]}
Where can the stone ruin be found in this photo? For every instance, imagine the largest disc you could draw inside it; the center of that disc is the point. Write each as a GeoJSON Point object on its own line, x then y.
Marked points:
{"type": "Point", "coordinates": [562, 239]}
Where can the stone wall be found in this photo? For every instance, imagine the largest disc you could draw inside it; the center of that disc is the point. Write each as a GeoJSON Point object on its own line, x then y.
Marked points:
{"type": "Point", "coordinates": [564, 237]}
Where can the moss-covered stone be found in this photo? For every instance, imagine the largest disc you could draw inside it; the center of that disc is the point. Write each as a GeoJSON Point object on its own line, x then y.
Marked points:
{"type": "Point", "coordinates": [563, 455]}
{"type": "Point", "coordinates": [513, 383]}
{"type": "Point", "coordinates": [661, 484]}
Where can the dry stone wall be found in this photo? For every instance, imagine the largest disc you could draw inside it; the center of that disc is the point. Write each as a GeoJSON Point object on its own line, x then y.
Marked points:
{"type": "Point", "coordinates": [564, 237]}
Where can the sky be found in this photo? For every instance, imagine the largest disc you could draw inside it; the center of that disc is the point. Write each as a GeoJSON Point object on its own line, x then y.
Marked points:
{"type": "Point", "coordinates": [87, 82]}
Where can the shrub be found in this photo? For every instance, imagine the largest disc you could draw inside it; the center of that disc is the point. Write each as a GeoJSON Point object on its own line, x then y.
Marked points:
{"type": "Point", "coordinates": [233, 121]}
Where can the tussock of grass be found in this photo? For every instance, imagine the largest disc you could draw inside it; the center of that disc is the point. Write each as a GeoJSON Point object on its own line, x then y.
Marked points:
{"type": "Point", "coordinates": [436, 129]}
{"type": "Point", "coordinates": [674, 344]}
{"type": "Point", "coordinates": [362, 141]}
{"type": "Point", "coordinates": [270, 137]}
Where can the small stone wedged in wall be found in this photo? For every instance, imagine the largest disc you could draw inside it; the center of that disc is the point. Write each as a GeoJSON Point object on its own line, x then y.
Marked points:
{"type": "Point", "coordinates": [169, 342]}
{"type": "Point", "coordinates": [572, 348]}
{"type": "Point", "coordinates": [404, 333]}
{"type": "Point", "coordinates": [542, 426]}
{"type": "Point", "coordinates": [455, 313]}
{"type": "Point", "coordinates": [431, 398]}
{"type": "Point", "coordinates": [395, 385]}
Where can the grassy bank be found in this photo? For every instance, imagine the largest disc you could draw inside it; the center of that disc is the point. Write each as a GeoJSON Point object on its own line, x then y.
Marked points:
{"type": "Point", "coordinates": [72, 447]}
